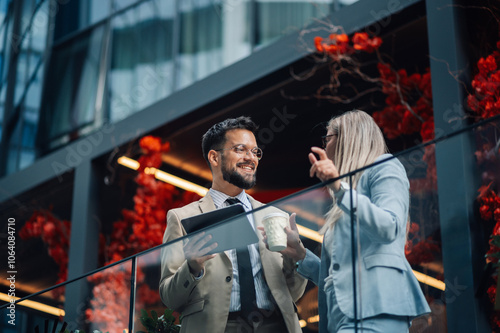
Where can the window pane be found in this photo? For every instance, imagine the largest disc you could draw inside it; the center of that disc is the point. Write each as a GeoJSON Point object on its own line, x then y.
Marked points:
{"type": "Point", "coordinates": [26, 158]}
{"type": "Point", "coordinates": [200, 49]}
{"type": "Point", "coordinates": [141, 59]}
{"type": "Point", "coordinates": [72, 85]}
{"type": "Point", "coordinates": [235, 19]}
{"type": "Point", "coordinates": [98, 10]}
{"type": "Point", "coordinates": [29, 128]}
{"type": "Point", "coordinates": [22, 69]}
{"type": "Point", "coordinates": [276, 18]}
{"type": "Point", "coordinates": [39, 27]}
{"type": "Point", "coordinates": [213, 34]}
{"type": "Point", "coordinates": [120, 4]}
{"type": "Point", "coordinates": [13, 149]}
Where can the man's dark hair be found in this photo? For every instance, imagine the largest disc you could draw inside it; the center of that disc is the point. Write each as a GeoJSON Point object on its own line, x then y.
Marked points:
{"type": "Point", "coordinates": [215, 137]}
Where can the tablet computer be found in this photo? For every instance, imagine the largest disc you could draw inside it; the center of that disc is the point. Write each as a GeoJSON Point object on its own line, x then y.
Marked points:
{"type": "Point", "coordinates": [229, 227]}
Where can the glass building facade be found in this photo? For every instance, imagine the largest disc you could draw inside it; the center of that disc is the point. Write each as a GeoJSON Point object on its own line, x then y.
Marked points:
{"type": "Point", "coordinates": [83, 81]}
{"type": "Point", "coordinates": [22, 51]}
{"type": "Point", "coordinates": [78, 65]}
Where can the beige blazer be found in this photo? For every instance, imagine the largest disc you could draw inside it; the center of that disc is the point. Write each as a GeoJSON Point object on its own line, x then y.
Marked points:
{"type": "Point", "coordinates": [204, 304]}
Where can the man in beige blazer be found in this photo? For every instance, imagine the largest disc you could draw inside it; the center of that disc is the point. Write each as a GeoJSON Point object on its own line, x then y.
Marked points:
{"type": "Point", "coordinates": [205, 288]}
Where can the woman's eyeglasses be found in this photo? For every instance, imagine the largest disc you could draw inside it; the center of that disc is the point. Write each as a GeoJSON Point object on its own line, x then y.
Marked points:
{"type": "Point", "coordinates": [326, 138]}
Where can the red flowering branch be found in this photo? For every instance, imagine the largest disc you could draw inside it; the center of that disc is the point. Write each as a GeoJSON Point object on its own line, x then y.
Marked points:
{"type": "Point", "coordinates": [484, 101]}
{"type": "Point", "coordinates": [55, 234]}
{"type": "Point", "coordinates": [338, 46]}
{"type": "Point", "coordinates": [417, 250]}
{"type": "Point", "coordinates": [408, 103]}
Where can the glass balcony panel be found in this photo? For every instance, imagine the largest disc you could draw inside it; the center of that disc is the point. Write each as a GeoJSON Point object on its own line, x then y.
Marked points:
{"type": "Point", "coordinates": [421, 243]}
{"type": "Point", "coordinates": [147, 294]}
{"type": "Point", "coordinates": [39, 221]}
{"type": "Point", "coordinates": [380, 249]}
{"type": "Point", "coordinates": [100, 301]}
{"type": "Point", "coordinates": [108, 308]}
{"type": "Point", "coordinates": [40, 313]}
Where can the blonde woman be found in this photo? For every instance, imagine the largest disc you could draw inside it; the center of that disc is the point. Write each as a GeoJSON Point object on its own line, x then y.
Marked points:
{"type": "Point", "coordinates": [388, 295]}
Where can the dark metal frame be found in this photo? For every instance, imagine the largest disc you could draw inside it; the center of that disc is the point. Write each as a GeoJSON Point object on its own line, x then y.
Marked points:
{"type": "Point", "coordinates": [456, 170]}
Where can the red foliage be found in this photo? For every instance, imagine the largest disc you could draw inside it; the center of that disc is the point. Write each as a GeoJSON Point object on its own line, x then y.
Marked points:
{"type": "Point", "coordinates": [153, 150]}
{"type": "Point", "coordinates": [485, 98]}
{"type": "Point", "coordinates": [338, 45]}
{"type": "Point", "coordinates": [489, 210]}
{"type": "Point", "coordinates": [419, 251]}
{"type": "Point", "coordinates": [408, 103]}
{"type": "Point", "coordinates": [408, 111]}
{"type": "Point", "coordinates": [55, 234]}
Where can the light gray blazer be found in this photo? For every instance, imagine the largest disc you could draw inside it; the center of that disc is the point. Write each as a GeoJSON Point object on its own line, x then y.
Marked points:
{"type": "Point", "coordinates": [386, 283]}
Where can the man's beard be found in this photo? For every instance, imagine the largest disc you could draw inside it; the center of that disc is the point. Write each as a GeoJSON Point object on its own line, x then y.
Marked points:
{"type": "Point", "coordinates": [233, 177]}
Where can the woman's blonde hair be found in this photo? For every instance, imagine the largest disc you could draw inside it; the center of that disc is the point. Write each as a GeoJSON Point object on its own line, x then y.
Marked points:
{"type": "Point", "coordinates": [359, 142]}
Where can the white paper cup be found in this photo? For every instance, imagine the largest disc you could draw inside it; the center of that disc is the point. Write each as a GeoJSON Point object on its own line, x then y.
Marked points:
{"type": "Point", "coordinates": [274, 225]}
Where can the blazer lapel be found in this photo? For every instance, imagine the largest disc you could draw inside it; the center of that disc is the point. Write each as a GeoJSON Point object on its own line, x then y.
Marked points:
{"type": "Point", "coordinates": [206, 204]}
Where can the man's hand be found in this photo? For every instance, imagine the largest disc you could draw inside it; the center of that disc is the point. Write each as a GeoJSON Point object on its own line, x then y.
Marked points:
{"type": "Point", "coordinates": [195, 251]}
{"type": "Point", "coordinates": [295, 249]}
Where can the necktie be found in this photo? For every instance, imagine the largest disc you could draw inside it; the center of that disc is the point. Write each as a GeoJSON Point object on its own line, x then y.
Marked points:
{"type": "Point", "coordinates": [247, 287]}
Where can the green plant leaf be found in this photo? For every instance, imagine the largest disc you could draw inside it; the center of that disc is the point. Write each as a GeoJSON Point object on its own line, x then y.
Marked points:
{"type": "Point", "coordinates": [154, 315]}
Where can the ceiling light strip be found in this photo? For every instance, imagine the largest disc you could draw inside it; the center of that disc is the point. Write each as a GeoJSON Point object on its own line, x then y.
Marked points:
{"type": "Point", "coordinates": [35, 305]}
{"type": "Point", "coordinates": [128, 162]}
{"type": "Point", "coordinates": [165, 177]}
{"type": "Point", "coordinates": [430, 281]}
{"type": "Point", "coordinates": [309, 233]}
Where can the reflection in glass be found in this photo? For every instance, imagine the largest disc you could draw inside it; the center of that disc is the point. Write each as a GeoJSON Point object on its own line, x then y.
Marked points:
{"type": "Point", "coordinates": [98, 10]}
{"type": "Point", "coordinates": [109, 298]}
{"type": "Point", "coordinates": [13, 153]}
{"type": "Point", "coordinates": [120, 4]}
{"type": "Point", "coordinates": [213, 34]}
{"type": "Point", "coordinates": [147, 296]}
{"type": "Point", "coordinates": [33, 314]}
{"type": "Point", "coordinates": [72, 86]}
{"type": "Point", "coordinates": [277, 18]}
{"type": "Point", "coordinates": [141, 58]}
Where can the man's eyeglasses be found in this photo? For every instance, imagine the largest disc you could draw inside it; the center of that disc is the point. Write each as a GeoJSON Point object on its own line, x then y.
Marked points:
{"type": "Point", "coordinates": [326, 138]}
{"type": "Point", "coordinates": [242, 150]}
